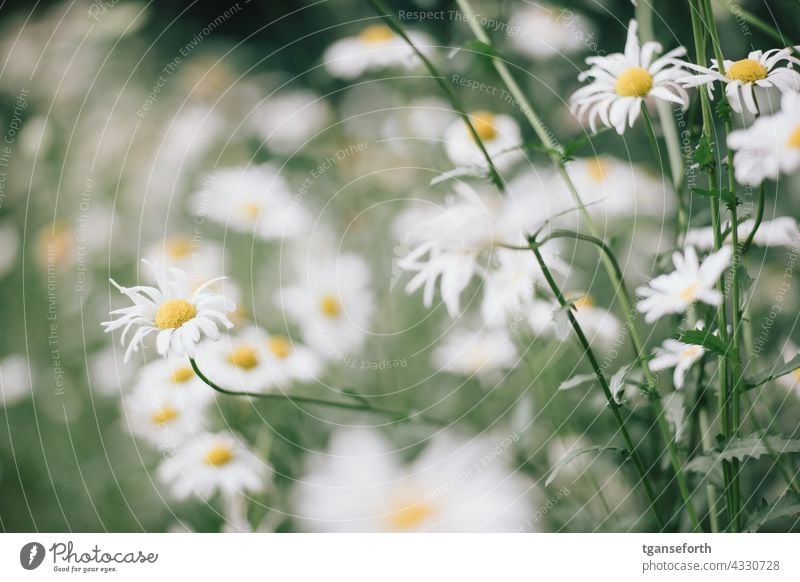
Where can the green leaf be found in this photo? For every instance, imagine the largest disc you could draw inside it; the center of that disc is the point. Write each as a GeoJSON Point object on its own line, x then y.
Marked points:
{"type": "Point", "coordinates": [571, 456]}
{"type": "Point", "coordinates": [462, 172]}
{"type": "Point", "coordinates": [786, 506]}
{"type": "Point", "coordinates": [484, 49]}
{"type": "Point", "coordinates": [724, 110]}
{"type": "Point", "coordinates": [776, 372]}
{"type": "Point", "coordinates": [727, 196]}
{"type": "Point", "coordinates": [704, 153]}
{"type": "Point", "coordinates": [704, 338]}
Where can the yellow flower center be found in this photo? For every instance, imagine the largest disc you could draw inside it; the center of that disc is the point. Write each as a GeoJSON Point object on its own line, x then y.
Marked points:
{"type": "Point", "coordinates": [182, 374]}
{"type": "Point", "coordinates": [251, 209]}
{"type": "Point", "coordinates": [174, 313]}
{"type": "Point", "coordinates": [164, 415]}
{"type": "Point", "coordinates": [484, 124]}
{"type": "Point", "coordinates": [410, 516]}
{"type": "Point", "coordinates": [690, 352]}
{"type": "Point", "coordinates": [376, 33]}
{"type": "Point", "coordinates": [244, 357]}
{"type": "Point", "coordinates": [635, 82]}
{"type": "Point", "coordinates": [746, 71]}
{"type": "Point", "coordinates": [584, 302]}
{"type": "Point", "coordinates": [219, 455]}
{"type": "Point", "coordinates": [796, 375]}
{"type": "Point", "coordinates": [794, 139]}
{"type": "Point", "coordinates": [598, 169]}
{"type": "Point", "coordinates": [330, 306]}
{"type": "Point", "coordinates": [688, 293]}
{"type": "Point", "coordinates": [178, 247]}
{"type": "Point", "coordinates": [279, 346]}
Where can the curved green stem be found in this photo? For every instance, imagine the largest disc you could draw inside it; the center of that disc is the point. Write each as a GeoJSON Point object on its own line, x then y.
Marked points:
{"type": "Point", "coordinates": [759, 217]}
{"type": "Point", "coordinates": [399, 416]}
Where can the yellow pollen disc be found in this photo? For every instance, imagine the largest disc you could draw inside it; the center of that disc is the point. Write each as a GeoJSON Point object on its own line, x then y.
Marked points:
{"type": "Point", "coordinates": [690, 352]}
{"type": "Point", "coordinates": [330, 306]}
{"type": "Point", "coordinates": [746, 71]}
{"type": "Point", "coordinates": [794, 139]}
{"type": "Point", "coordinates": [796, 375]}
{"type": "Point", "coordinates": [219, 455]}
{"type": "Point", "coordinates": [174, 313]}
{"type": "Point", "coordinates": [376, 33]}
{"type": "Point", "coordinates": [484, 124]}
{"type": "Point", "coordinates": [182, 374]}
{"type": "Point", "coordinates": [635, 82]}
{"type": "Point", "coordinates": [178, 247]}
{"type": "Point", "coordinates": [251, 209]}
{"type": "Point", "coordinates": [688, 293]}
{"type": "Point", "coordinates": [164, 415]}
{"type": "Point", "coordinates": [598, 169]}
{"type": "Point", "coordinates": [279, 346]}
{"type": "Point", "coordinates": [244, 357]}
{"type": "Point", "coordinates": [584, 302]}
{"type": "Point", "coordinates": [410, 516]}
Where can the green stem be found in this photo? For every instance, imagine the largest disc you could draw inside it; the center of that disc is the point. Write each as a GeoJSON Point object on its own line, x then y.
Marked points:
{"type": "Point", "coordinates": [757, 22]}
{"type": "Point", "coordinates": [708, 445]}
{"type": "Point", "coordinates": [612, 403]}
{"type": "Point", "coordinates": [759, 217]}
{"type": "Point", "coordinates": [399, 416]}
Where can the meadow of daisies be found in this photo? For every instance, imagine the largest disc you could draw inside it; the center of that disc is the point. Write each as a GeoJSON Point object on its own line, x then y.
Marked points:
{"type": "Point", "coordinates": [419, 266]}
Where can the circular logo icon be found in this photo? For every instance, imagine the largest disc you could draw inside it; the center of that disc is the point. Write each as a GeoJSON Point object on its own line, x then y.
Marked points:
{"type": "Point", "coordinates": [31, 555]}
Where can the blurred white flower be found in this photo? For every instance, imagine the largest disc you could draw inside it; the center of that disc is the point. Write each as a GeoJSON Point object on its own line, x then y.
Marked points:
{"type": "Point", "coordinates": [209, 463]}
{"type": "Point", "coordinates": [744, 78]}
{"type": "Point", "coordinates": [376, 47]}
{"type": "Point", "coordinates": [361, 485]}
{"type": "Point", "coordinates": [9, 247]}
{"type": "Point", "coordinates": [15, 380]}
{"type": "Point", "coordinates": [691, 281]}
{"type": "Point", "coordinates": [179, 315]}
{"type": "Point", "coordinates": [422, 120]}
{"type": "Point", "coordinates": [254, 200]}
{"type": "Point", "coordinates": [622, 81]}
{"type": "Point", "coordinates": [174, 375]}
{"type": "Point", "coordinates": [500, 134]}
{"type": "Point", "coordinates": [541, 31]}
{"type": "Point", "coordinates": [108, 375]}
{"type": "Point", "coordinates": [676, 354]}
{"type": "Point", "coordinates": [779, 232]}
{"type": "Point", "coordinates": [200, 258]}
{"type": "Point", "coordinates": [332, 302]}
{"type": "Point", "coordinates": [476, 352]}
{"type": "Point", "coordinates": [770, 146]}
{"type": "Point", "coordinates": [286, 121]}
{"type": "Point", "coordinates": [598, 323]}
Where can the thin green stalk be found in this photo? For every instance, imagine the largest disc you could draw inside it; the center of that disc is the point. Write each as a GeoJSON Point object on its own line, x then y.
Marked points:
{"type": "Point", "coordinates": [612, 403]}
{"type": "Point", "coordinates": [759, 217]}
{"type": "Point", "coordinates": [708, 445]}
{"type": "Point", "coordinates": [398, 415]}
{"type": "Point", "coordinates": [751, 18]}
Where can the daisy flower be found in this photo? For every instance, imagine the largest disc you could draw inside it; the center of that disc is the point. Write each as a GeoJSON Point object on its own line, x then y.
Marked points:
{"type": "Point", "coordinates": [691, 281]}
{"type": "Point", "coordinates": [198, 257]}
{"type": "Point", "coordinates": [596, 321]}
{"type": "Point", "coordinates": [15, 380]}
{"type": "Point", "coordinates": [622, 81]}
{"type": "Point", "coordinates": [376, 47]}
{"type": "Point", "coordinates": [254, 200]}
{"type": "Point", "coordinates": [286, 121]}
{"type": "Point", "coordinates": [746, 78]}
{"type": "Point", "coordinates": [676, 354]}
{"type": "Point", "coordinates": [179, 316]}
{"type": "Point", "coordinates": [483, 353]}
{"type": "Point", "coordinates": [361, 484]}
{"type": "Point", "coordinates": [544, 31]}
{"type": "Point", "coordinates": [500, 134]}
{"type": "Point", "coordinates": [212, 462]}
{"type": "Point", "coordinates": [779, 232]}
{"type": "Point", "coordinates": [332, 302]}
{"type": "Point", "coordinates": [176, 377]}
{"type": "Point", "coordinates": [770, 146]}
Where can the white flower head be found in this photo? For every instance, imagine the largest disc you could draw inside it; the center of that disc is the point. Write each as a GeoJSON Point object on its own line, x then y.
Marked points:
{"type": "Point", "coordinates": [770, 146]}
{"type": "Point", "coordinates": [484, 353]}
{"type": "Point", "coordinates": [676, 354]}
{"type": "Point", "coordinates": [598, 322]}
{"type": "Point", "coordinates": [286, 121]}
{"type": "Point", "coordinates": [209, 463]}
{"type": "Point", "coordinates": [690, 282]}
{"type": "Point", "coordinates": [174, 375]}
{"type": "Point", "coordinates": [622, 81]}
{"type": "Point", "coordinates": [745, 77]}
{"type": "Point", "coordinates": [376, 47]}
{"type": "Point", "coordinates": [500, 135]}
{"type": "Point", "coordinates": [543, 31]}
{"type": "Point", "coordinates": [199, 258]}
{"type": "Point", "coordinates": [15, 380]}
{"type": "Point", "coordinates": [179, 316]}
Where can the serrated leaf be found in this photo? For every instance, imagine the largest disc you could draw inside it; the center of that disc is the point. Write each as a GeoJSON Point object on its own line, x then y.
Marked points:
{"type": "Point", "coordinates": [704, 153]}
{"type": "Point", "coordinates": [577, 380]}
{"type": "Point", "coordinates": [786, 506]}
{"type": "Point", "coordinates": [704, 338]}
{"type": "Point", "coordinates": [571, 456]}
{"type": "Point", "coordinates": [724, 110]}
{"type": "Point", "coordinates": [462, 172]}
{"type": "Point", "coordinates": [727, 196]}
{"type": "Point", "coordinates": [751, 446]}
{"type": "Point", "coordinates": [775, 372]}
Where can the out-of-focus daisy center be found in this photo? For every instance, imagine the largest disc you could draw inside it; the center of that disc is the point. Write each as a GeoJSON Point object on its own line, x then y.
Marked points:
{"type": "Point", "coordinates": [410, 516]}
{"type": "Point", "coordinates": [376, 33]}
{"type": "Point", "coordinates": [691, 352]}
{"type": "Point", "coordinates": [746, 71]}
{"type": "Point", "coordinates": [243, 357]}
{"type": "Point", "coordinates": [219, 455]}
{"type": "Point", "coordinates": [688, 293]}
{"type": "Point", "coordinates": [164, 415]}
{"type": "Point", "coordinates": [794, 138]}
{"type": "Point", "coordinates": [635, 82]}
{"type": "Point", "coordinates": [484, 124]}
{"type": "Point", "coordinates": [584, 302]}
{"type": "Point", "coordinates": [279, 346]}
{"type": "Point", "coordinates": [251, 209]}
{"type": "Point", "coordinates": [174, 313]}
{"type": "Point", "coordinates": [178, 247]}
{"type": "Point", "coordinates": [796, 375]}
{"type": "Point", "coordinates": [182, 374]}
{"type": "Point", "coordinates": [598, 169]}
{"type": "Point", "coordinates": [330, 306]}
